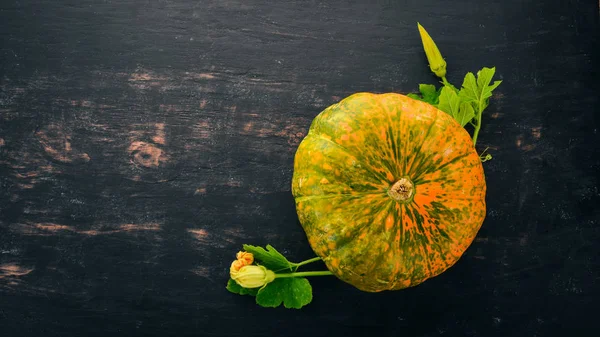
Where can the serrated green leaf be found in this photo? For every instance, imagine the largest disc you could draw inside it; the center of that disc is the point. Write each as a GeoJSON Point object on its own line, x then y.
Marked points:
{"type": "Point", "coordinates": [235, 288]}
{"type": "Point", "coordinates": [484, 78]}
{"type": "Point", "coordinates": [465, 113]}
{"type": "Point", "coordinates": [469, 91]}
{"type": "Point", "coordinates": [478, 90]}
{"type": "Point", "coordinates": [451, 86]}
{"type": "Point", "coordinates": [270, 258]}
{"type": "Point", "coordinates": [450, 103]}
{"type": "Point", "coordinates": [293, 292]}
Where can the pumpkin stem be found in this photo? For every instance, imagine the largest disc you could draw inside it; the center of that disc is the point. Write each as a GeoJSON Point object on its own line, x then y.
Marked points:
{"type": "Point", "coordinates": [314, 259]}
{"type": "Point", "coordinates": [305, 274]}
{"type": "Point", "coordinates": [403, 190]}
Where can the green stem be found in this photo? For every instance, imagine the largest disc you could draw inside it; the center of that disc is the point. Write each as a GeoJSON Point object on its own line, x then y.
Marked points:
{"type": "Point", "coordinates": [314, 259]}
{"type": "Point", "coordinates": [478, 126]}
{"type": "Point", "coordinates": [305, 273]}
{"type": "Point", "coordinates": [445, 81]}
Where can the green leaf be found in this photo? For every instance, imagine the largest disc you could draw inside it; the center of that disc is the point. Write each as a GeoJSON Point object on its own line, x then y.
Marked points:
{"type": "Point", "coordinates": [270, 258]}
{"type": "Point", "coordinates": [414, 96]}
{"type": "Point", "coordinates": [469, 91]}
{"type": "Point", "coordinates": [465, 113]}
{"type": "Point", "coordinates": [478, 91]}
{"type": "Point", "coordinates": [235, 288]}
{"type": "Point", "coordinates": [429, 94]}
{"type": "Point", "coordinates": [293, 292]}
{"type": "Point", "coordinates": [450, 103]}
{"type": "Point", "coordinates": [451, 86]}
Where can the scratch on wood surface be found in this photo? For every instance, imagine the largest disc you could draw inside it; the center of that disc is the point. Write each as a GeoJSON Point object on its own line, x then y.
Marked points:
{"type": "Point", "coordinates": [203, 76]}
{"type": "Point", "coordinates": [52, 227]}
{"type": "Point", "coordinates": [520, 143]}
{"type": "Point", "coordinates": [298, 35]}
{"type": "Point", "coordinates": [218, 239]}
{"type": "Point", "coordinates": [81, 103]}
{"type": "Point", "coordinates": [202, 130]}
{"type": "Point", "coordinates": [57, 144]}
{"type": "Point", "coordinates": [199, 234]}
{"type": "Point", "coordinates": [144, 79]}
{"type": "Point", "coordinates": [148, 75]}
{"type": "Point", "coordinates": [232, 182]}
{"type": "Point", "coordinates": [293, 132]}
{"type": "Point", "coordinates": [25, 186]}
{"type": "Point", "coordinates": [233, 232]}
{"type": "Point", "coordinates": [159, 137]}
{"type": "Point", "coordinates": [28, 167]}
{"type": "Point", "coordinates": [169, 108]}
{"type": "Point", "coordinates": [13, 270]}
{"type": "Point", "coordinates": [201, 271]}
{"type": "Point", "coordinates": [26, 175]}
{"type": "Point", "coordinates": [48, 169]}
{"type": "Point", "coordinates": [48, 229]}
{"type": "Point", "coordinates": [139, 227]}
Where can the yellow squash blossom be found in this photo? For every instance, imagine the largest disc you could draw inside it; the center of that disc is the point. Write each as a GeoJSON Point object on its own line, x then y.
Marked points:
{"type": "Point", "coordinates": [437, 64]}
{"type": "Point", "coordinates": [252, 276]}
{"type": "Point", "coordinates": [236, 266]}
{"type": "Point", "coordinates": [245, 257]}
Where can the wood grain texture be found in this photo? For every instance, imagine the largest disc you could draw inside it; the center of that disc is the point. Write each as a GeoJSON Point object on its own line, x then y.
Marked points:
{"type": "Point", "coordinates": [143, 142]}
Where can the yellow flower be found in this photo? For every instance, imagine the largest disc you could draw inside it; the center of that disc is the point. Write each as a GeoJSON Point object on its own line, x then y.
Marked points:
{"type": "Point", "coordinates": [245, 257]}
{"type": "Point", "coordinates": [236, 266]}
{"type": "Point", "coordinates": [252, 276]}
{"type": "Point", "coordinates": [437, 64]}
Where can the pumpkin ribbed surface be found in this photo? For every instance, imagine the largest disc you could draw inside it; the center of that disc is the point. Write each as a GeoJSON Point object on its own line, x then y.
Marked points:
{"type": "Point", "coordinates": [389, 190]}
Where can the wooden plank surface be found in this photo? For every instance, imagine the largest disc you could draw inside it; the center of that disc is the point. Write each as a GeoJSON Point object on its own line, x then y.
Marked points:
{"type": "Point", "coordinates": [143, 142]}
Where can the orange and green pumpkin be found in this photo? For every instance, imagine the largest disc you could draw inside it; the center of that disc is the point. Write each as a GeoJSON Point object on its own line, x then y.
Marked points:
{"type": "Point", "coordinates": [389, 190]}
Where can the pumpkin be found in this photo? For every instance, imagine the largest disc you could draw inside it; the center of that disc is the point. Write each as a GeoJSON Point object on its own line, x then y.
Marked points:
{"type": "Point", "coordinates": [388, 189]}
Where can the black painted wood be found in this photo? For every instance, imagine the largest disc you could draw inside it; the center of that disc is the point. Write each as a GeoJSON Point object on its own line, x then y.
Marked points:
{"type": "Point", "coordinates": [143, 142]}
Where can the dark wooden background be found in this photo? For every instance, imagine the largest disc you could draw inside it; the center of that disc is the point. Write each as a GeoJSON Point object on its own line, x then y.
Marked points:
{"type": "Point", "coordinates": [143, 142]}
